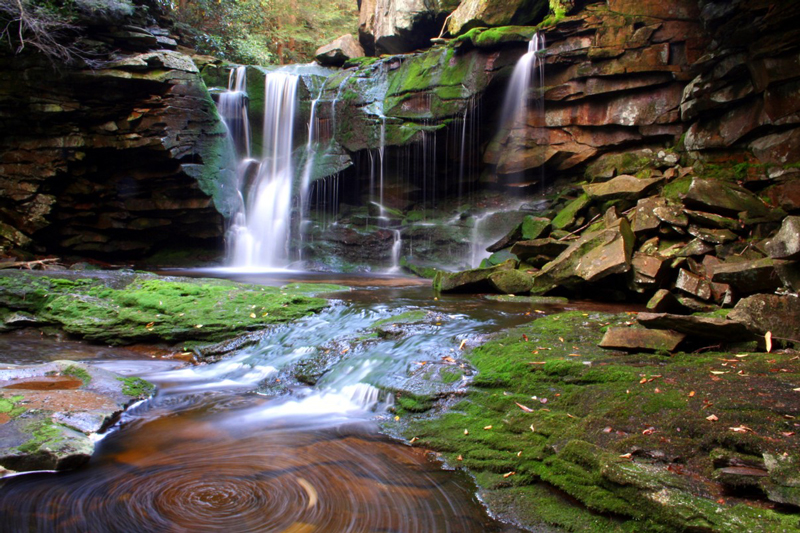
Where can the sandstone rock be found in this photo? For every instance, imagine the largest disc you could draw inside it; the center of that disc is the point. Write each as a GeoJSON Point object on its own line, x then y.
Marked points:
{"type": "Point", "coordinates": [475, 280]}
{"type": "Point", "coordinates": [783, 482]}
{"type": "Point", "coordinates": [696, 327]}
{"type": "Point", "coordinates": [644, 218]}
{"type": "Point", "coordinates": [340, 50]}
{"type": "Point", "coordinates": [622, 187]}
{"type": "Point", "coordinates": [474, 13]}
{"type": "Point", "coordinates": [664, 301]}
{"type": "Point", "coordinates": [526, 250]}
{"type": "Point", "coordinates": [635, 339]}
{"type": "Point", "coordinates": [511, 282]}
{"type": "Point", "coordinates": [761, 313]}
{"type": "Point", "coordinates": [695, 247]}
{"type": "Point", "coordinates": [786, 243]}
{"type": "Point", "coordinates": [789, 272]}
{"type": "Point", "coordinates": [566, 217]}
{"type": "Point", "coordinates": [671, 214]}
{"type": "Point", "coordinates": [786, 195]}
{"type": "Point", "coordinates": [529, 229]}
{"type": "Point", "coordinates": [628, 162]}
{"type": "Point", "coordinates": [396, 27]}
{"type": "Point", "coordinates": [713, 236]}
{"type": "Point", "coordinates": [53, 409]}
{"type": "Point", "coordinates": [747, 277]}
{"type": "Point", "coordinates": [592, 257]}
{"type": "Point", "coordinates": [693, 284]}
{"type": "Point", "coordinates": [712, 220]}
{"type": "Point", "coordinates": [723, 198]}
{"type": "Point", "coordinates": [647, 269]}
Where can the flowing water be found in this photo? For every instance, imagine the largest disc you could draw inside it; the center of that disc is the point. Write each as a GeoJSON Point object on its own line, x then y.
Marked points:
{"type": "Point", "coordinates": [239, 445]}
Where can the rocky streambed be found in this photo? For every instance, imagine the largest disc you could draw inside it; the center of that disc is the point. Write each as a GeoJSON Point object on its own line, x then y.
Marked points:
{"type": "Point", "coordinates": [557, 432]}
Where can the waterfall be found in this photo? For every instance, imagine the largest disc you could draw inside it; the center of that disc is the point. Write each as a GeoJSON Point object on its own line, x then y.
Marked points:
{"type": "Point", "coordinates": [232, 107]}
{"type": "Point", "coordinates": [260, 234]}
{"type": "Point", "coordinates": [515, 108]}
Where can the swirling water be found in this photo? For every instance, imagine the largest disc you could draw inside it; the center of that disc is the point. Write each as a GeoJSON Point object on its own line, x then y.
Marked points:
{"type": "Point", "coordinates": [235, 446]}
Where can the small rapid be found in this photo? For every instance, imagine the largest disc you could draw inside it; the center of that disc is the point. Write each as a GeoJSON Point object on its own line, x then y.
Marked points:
{"type": "Point", "coordinates": [284, 434]}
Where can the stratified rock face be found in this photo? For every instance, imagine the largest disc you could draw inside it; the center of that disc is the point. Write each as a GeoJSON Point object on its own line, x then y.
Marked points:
{"type": "Point", "coordinates": [114, 162]}
{"type": "Point", "coordinates": [340, 50]}
{"type": "Point", "coordinates": [398, 26]}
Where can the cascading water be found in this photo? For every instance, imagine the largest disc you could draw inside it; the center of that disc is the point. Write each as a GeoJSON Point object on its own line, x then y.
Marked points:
{"type": "Point", "coordinates": [528, 69]}
{"type": "Point", "coordinates": [260, 234]}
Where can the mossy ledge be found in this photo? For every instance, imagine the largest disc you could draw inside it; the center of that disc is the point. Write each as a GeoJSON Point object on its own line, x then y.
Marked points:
{"type": "Point", "coordinates": [560, 433]}
{"type": "Point", "coordinates": [126, 307]}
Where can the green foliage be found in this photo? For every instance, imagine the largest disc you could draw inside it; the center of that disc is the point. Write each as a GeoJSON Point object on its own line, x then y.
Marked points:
{"type": "Point", "coordinates": [263, 32]}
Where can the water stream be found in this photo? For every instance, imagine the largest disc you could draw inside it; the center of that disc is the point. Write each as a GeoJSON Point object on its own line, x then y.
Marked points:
{"type": "Point", "coordinates": [242, 445]}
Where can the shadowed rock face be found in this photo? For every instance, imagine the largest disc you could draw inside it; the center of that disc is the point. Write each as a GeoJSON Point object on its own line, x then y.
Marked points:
{"type": "Point", "coordinates": [114, 162]}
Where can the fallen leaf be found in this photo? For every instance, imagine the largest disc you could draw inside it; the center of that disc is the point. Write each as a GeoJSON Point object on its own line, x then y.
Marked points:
{"type": "Point", "coordinates": [312, 493]}
{"type": "Point", "coordinates": [524, 408]}
{"type": "Point", "coordinates": [649, 431]}
{"type": "Point", "coordinates": [608, 429]}
{"type": "Point", "coordinates": [461, 346]}
{"type": "Point", "coordinates": [574, 355]}
{"type": "Point", "coordinates": [448, 359]}
{"type": "Point", "coordinates": [691, 394]}
{"type": "Point", "coordinates": [797, 389]}
{"type": "Point", "coordinates": [487, 427]}
{"type": "Point", "coordinates": [643, 380]}
{"type": "Point", "coordinates": [533, 429]}
{"type": "Point", "coordinates": [459, 458]}
{"type": "Point", "coordinates": [199, 326]}
{"type": "Point", "coordinates": [524, 337]}
{"type": "Point", "coordinates": [561, 339]}
{"type": "Point", "coordinates": [787, 433]}
{"type": "Point", "coordinates": [466, 432]}
{"type": "Point", "coordinates": [712, 418]}
{"type": "Point", "coordinates": [657, 390]}
{"type": "Point", "coordinates": [718, 372]}
{"type": "Point", "coordinates": [741, 355]}
{"type": "Point", "coordinates": [519, 453]}
{"type": "Point", "coordinates": [626, 455]}
{"type": "Point", "coordinates": [768, 341]}
{"type": "Point", "coordinates": [252, 315]}
{"type": "Point", "coordinates": [509, 474]}
{"type": "Point", "coordinates": [741, 429]}
{"type": "Point", "coordinates": [150, 325]}
{"type": "Point", "coordinates": [571, 416]}
{"type": "Point", "coordinates": [415, 439]}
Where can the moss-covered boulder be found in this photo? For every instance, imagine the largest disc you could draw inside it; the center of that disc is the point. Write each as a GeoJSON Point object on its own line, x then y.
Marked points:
{"type": "Point", "coordinates": [475, 280]}
{"type": "Point", "coordinates": [125, 308]}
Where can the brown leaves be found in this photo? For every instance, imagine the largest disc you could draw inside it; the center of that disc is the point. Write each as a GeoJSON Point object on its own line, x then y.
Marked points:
{"type": "Point", "coordinates": [712, 418]}
{"type": "Point", "coordinates": [524, 408]}
{"type": "Point", "coordinates": [768, 341]}
{"type": "Point", "coordinates": [741, 429]}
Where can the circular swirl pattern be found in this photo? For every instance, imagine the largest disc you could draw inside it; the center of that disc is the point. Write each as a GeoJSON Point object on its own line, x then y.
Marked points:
{"type": "Point", "coordinates": [191, 472]}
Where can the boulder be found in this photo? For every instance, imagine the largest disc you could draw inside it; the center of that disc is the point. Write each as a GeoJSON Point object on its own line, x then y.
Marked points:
{"type": "Point", "coordinates": [526, 250]}
{"type": "Point", "coordinates": [713, 236]}
{"type": "Point", "coordinates": [664, 301]}
{"type": "Point", "coordinates": [335, 53]}
{"type": "Point", "coordinates": [761, 313]}
{"type": "Point", "coordinates": [566, 217]}
{"type": "Point", "coordinates": [511, 282]}
{"type": "Point", "coordinates": [671, 214]}
{"type": "Point", "coordinates": [473, 13]}
{"type": "Point", "coordinates": [724, 198]}
{"type": "Point", "coordinates": [789, 272]}
{"type": "Point", "coordinates": [647, 269]}
{"type": "Point", "coordinates": [592, 257]}
{"type": "Point", "coordinates": [625, 187]}
{"type": "Point", "coordinates": [399, 26]}
{"type": "Point", "coordinates": [644, 218]}
{"type": "Point", "coordinates": [475, 280]}
{"type": "Point", "coordinates": [529, 229]}
{"type": "Point", "coordinates": [693, 284]}
{"type": "Point", "coordinates": [695, 326]}
{"type": "Point", "coordinates": [786, 243]}
{"type": "Point", "coordinates": [747, 276]}
{"type": "Point", "coordinates": [711, 220]}
{"type": "Point", "coordinates": [636, 339]}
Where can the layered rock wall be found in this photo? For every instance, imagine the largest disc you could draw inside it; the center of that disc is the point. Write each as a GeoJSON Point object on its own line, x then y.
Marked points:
{"type": "Point", "coordinates": [112, 162]}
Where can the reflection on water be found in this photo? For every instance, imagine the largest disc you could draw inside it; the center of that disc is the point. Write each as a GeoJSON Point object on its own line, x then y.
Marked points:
{"type": "Point", "coordinates": [232, 471]}
{"type": "Point", "coordinates": [221, 447]}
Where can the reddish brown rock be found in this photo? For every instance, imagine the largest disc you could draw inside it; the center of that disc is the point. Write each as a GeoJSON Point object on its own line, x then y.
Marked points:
{"type": "Point", "coordinates": [635, 339]}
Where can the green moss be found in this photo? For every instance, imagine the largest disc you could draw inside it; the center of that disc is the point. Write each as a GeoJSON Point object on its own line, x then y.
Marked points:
{"type": "Point", "coordinates": [10, 407]}
{"type": "Point", "coordinates": [567, 216]}
{"type": "Point", "coordinates": [409, 317]}
{"type": "Point", "coordinates": [150, 308]}
{"type": "Point", "coordinates": [136, 387]}
{"type": "Point", "coordinates": [45, 434]}
{"type": "Point", "coordinates": [550, 406]}
{"type": "Point", "coordinates": [676, 189]}
{"type": "Point", "coordinates": [78, 372]}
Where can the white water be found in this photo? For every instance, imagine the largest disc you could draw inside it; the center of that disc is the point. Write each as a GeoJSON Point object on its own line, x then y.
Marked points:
{"type": "Point", "coordinates": [530, 65]}
{"type": "Point", "coordinates": [260, 234]}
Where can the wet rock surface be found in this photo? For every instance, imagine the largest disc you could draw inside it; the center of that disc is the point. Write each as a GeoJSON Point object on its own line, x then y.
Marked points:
{"type": "Point", "coordinates": [49, 412]}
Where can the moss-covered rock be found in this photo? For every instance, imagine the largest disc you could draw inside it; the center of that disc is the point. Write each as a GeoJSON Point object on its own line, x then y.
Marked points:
{"type": "Point", "coordinates": [628, 436]}
{"type": "Point", "coordinates": [129, 308]}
